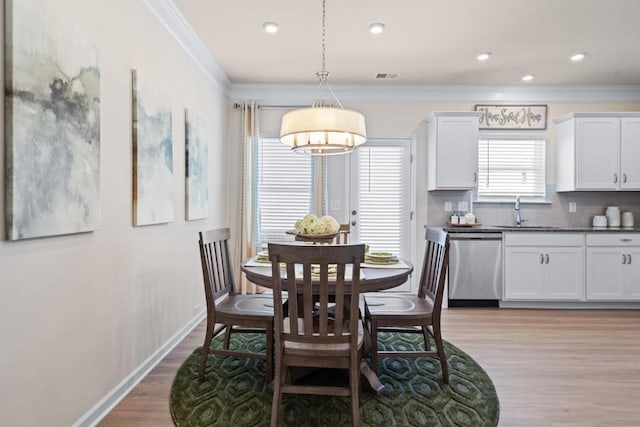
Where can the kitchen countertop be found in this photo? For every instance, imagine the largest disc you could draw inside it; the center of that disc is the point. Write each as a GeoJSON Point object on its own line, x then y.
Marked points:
{"type": "Point", "coordinates": [535, 229]}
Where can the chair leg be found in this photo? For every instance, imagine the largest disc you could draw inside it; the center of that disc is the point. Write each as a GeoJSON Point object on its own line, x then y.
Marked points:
{"type": "Point", "coordinates": [227, 336]}
{"type": "Point", "coordinates": [437, 335]}
{"type": "Point", "coordinates": [354, 382]}
{"type": "Point", "coordinates": [205, 349]}
{"type": "Point", "coordinates": [277, 395]}
{"type": "Point", "coordinates": [374, 347]}
{"type": "Point", "coordinates": [269, 354]}
{"type": "Point", "coordinates": [427, 341]}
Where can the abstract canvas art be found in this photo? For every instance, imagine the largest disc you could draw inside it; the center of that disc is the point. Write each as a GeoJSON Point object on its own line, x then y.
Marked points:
{"type": "Point", "coordinates": [152, 154]}
{"type": "Point", "coordinates": [52, 123]}
{"type": "Point", "coordinates": [196, 188]}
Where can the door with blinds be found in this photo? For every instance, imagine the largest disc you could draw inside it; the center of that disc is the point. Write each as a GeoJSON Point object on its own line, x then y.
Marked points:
{"type": "Point", "coordinates": [380, 198]}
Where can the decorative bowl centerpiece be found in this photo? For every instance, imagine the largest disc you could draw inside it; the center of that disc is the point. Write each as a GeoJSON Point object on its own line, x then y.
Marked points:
{"type": "Point", "coordinates": [316, 230]}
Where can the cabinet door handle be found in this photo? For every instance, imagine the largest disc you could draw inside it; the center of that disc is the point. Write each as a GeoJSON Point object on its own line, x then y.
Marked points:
{"type": "Point", "coordinates": [546, 258]}
{"type": "Point", "coordinates": [475, 177]}
{"type": "Point", "coordinates": [626, 240]}
{"type": "Point", "coordinates": [624, 259]}
{"type": "Point", "coordinates": [624, 178]}
{"type": "Point", "coordinates": [615, 178]}
{"type": "Point", "coordinates": [629, 255]}
{"type": "Point", "coordinates": [541, 258]}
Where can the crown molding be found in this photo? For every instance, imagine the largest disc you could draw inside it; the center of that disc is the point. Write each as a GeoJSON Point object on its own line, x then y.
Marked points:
{"type": "Point", "coordinates": [285, 94]}
{"type": "Point", "coordinates": [176, 24]}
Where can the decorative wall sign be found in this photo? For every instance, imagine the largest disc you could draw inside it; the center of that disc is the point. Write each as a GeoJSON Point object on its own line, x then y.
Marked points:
{"type": "Point", "coordinates": [152, 155]}
{"type": "Point", "coordinates": [196, 155]}
{"type": "Point", "coordinates": [512, 116]}
{"type": "Point", "coordinates": [52, 123]}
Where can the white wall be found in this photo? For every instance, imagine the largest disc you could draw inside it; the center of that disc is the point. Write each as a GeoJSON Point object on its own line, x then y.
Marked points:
{"type": "Point", "coordinates": [401, 119]}
{"type": "Point", "coordinates": [79, 313]}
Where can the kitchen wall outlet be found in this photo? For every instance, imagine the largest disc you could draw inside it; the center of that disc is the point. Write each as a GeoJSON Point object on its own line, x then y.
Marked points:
{"type": "Point", "coordinates": [463, 206]}
{"type": "Point", "coordinates": [572, 206]}
{"type": "Point", "coordinates": [448, 206]}
{"type": "Point", "coordinates": [335, 205]}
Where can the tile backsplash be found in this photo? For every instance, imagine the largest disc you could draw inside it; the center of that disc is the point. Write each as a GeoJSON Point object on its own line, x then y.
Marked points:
{"type": "Point", "coordinates": [555, 213]}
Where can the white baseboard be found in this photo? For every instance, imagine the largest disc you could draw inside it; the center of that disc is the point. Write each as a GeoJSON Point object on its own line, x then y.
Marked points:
{"type": "Point", "coordinates": [107, 403]}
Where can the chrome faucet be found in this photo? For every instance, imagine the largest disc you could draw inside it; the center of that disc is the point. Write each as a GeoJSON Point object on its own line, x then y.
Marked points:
{"type": "Point", "coordinates": [517, 209]}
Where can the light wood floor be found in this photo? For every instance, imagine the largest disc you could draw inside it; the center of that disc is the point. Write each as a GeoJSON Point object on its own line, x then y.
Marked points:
{"type": "Point", "coordinates": [569, 368]}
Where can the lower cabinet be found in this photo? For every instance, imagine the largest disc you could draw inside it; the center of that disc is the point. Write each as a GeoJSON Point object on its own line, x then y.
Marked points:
{"type": "Point", "coordinates": [544, 266]}
{"type": "Point", "coordinates": [613, 267]}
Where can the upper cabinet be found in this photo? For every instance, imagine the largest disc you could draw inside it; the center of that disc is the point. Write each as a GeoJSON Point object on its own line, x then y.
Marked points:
{"type": "Point", "coordinates": [598, 151]}
{"type": "Point", "coordinates": [452, 150]}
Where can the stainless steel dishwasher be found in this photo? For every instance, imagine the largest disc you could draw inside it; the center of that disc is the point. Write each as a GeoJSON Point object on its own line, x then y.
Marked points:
{"type": "Point", "coordinates": [475, 269]}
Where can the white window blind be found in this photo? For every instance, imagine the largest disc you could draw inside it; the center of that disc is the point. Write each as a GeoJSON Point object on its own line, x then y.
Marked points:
{"type": "Point", "coordinates": [284, 190]}
{"type": "Point", "coordinates": [510, 167]}
{"type": "Point", "coordinates": [382, 195]}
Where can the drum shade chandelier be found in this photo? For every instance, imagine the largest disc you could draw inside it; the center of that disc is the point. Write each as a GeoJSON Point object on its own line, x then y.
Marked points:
{"type": "Point", "coordinates": [323, 129]}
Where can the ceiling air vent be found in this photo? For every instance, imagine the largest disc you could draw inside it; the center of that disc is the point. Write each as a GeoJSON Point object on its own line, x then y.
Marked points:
{"type": "Point", "coordinates": [386, 76]}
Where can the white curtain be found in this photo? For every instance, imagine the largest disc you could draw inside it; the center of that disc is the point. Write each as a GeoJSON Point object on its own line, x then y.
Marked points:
{"type": "Point", "coordinates": [319, 186]}
{"type": "Point", "coordinates": [246, 232]}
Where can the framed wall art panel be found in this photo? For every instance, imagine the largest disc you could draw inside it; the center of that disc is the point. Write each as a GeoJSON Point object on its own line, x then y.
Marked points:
{"type": "Point", "coordinates": [153, 201]}
{"type": "Point", "coordinates": [196, 164]}
{"type": "Point", "coordinates": [52, 123]}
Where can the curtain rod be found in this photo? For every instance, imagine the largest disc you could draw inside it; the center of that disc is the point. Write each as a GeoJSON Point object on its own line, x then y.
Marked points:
{"type": "Point", "coordinates": [272, 107]}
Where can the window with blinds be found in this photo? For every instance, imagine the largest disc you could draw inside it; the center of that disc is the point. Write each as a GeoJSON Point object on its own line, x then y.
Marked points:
{"type": "Point", "coordinates": [383, 196]}
{"type": "Point", "coordinates": [508, 167]}
{"type": "Point", "coordinates": [284, 190]}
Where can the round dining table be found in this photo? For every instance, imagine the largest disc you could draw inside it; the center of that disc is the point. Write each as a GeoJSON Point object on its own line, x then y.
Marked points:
{"type": "Point", "coordinates": [375, 278]}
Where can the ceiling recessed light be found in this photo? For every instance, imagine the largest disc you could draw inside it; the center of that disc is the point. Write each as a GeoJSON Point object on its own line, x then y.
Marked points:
{"type": "Point", "coordinates": [527, 78]}
{"type": "Point", "coordinates": [483, 56]}
{"type": "Point", "coordinates": [577, 57]}
{"type": "Point", "coordinates": [376, 28]}
{"type": "Point", "coordinates": [270, 27]}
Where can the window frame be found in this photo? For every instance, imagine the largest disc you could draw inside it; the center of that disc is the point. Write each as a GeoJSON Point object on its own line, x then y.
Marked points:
{"type": "Point", "coordinates": [512, 135]}
{"type": "Point", "coordinates": [258, 169]}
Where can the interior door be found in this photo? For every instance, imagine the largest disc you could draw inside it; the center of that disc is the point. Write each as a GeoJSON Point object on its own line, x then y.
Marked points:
{"type": "Point", "coordinates": [380, 205]}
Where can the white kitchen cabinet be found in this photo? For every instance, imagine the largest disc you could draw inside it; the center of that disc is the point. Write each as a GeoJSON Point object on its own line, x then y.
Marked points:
{"type": "Point", "coordinates": [613, 266]}
{"type": "Point", "coordinates": [543, 266]}
{"type": "Point", "coordinates": [452, 150]}
{"type": "Point", "coordinates": [598, 152]}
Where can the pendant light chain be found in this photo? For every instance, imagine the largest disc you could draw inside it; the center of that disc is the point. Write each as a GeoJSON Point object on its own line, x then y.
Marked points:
{"type": "Point", "coordinates": [323, 74]}
{"type": "Point", "coordinates": [324, 30]}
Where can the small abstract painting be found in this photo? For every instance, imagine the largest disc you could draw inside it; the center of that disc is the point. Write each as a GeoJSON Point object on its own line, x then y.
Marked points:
{"type": "Point", "coordinates": [52, 123]}
{"type": "Point", "coordinates": [196, 188]}
{"type": "Point", "coordinates": [152, 154]}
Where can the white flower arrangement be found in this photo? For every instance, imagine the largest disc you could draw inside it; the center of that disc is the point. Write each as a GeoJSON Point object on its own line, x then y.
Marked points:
{"type": "Point", "coordinates": [312, 225]}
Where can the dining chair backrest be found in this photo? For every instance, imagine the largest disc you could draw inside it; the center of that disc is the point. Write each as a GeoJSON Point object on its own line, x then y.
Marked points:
{"type": "Point", "coordinates": [434, 267]}
{"type": "Point", "coordinates": [310, 319]}
{"type": "Point", "coordinates": [342, 238]}
{"type": "Point", "coordinates": [216, 265]}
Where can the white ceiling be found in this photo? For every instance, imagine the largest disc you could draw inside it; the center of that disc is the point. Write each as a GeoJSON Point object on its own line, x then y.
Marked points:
{"type": "Point", "coordinates": [426, 42]}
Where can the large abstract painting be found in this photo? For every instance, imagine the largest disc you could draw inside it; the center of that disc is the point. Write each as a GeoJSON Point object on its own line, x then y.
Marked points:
{"type": "Point", "coordinates": [52, 123]}
{"type": "Point", "coordinates": [196, 188]}
{"type": "Point", "coordinates": [152, 154]}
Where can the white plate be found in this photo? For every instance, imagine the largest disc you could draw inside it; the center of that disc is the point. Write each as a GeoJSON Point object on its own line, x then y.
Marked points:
{"type": "Point", "coordinates": [380, 256]}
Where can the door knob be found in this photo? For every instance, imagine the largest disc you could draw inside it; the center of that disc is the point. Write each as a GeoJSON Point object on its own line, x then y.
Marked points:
{"type": "Point", "coordinates": [354, 212]}
{"type": "Point", "coordinates": [353, 223]}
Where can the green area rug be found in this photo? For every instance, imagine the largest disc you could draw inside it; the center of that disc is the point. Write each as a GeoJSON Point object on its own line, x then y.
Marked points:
{"type": "Point", "coordinates": [234, 394]}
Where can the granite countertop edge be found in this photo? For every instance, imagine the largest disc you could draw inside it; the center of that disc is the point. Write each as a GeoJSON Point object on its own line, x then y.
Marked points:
{"type": "Point", "coordinates": [535, 229]}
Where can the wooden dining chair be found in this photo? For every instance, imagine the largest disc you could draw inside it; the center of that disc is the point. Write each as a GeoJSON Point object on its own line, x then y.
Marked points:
{"type": "Point", "coordinates": [226, 309]}
{"type": "Point", "coordinates": [317, 333]}
{"type": "Point", "coordinates": [403, 313]}
{"type": "Point", "coordinates": [343, 234]}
